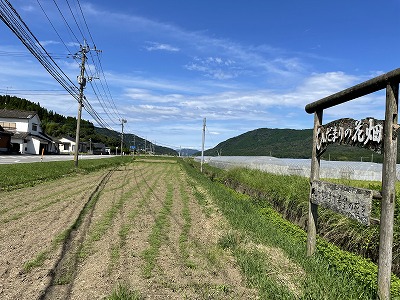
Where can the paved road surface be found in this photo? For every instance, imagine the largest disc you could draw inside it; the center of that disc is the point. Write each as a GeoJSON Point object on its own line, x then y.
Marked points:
{"type": "Point", "coordinates": [13, 159]}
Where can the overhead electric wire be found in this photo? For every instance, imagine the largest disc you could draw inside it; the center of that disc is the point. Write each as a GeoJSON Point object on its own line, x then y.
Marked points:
{"type": "Point", "coordinates": [13, 20]}
{"type": "Point", "coordinates": [73, 16]}
{"type": "Point", "coordinates": [54, 28]}
{"type": "Point", "coordinates": [66, 22]}
{"type": "Point", "coordinates": [84, 20]}
{"type": "Point", "coordinates": [97, 93]}
{"type": "Point", "coordinates": [114, 107]}
{"type": "Point", "coordinates": [104, 104]}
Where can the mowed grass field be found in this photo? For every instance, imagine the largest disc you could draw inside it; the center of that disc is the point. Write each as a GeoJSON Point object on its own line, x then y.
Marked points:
{"type": "Point", "coordinates": [149, 228]}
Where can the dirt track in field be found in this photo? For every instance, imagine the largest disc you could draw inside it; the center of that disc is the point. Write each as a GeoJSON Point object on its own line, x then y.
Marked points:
{"type": "Point", "coordinates": [139, 226]}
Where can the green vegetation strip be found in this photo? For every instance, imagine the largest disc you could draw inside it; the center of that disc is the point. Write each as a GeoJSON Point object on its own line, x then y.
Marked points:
{"type": "Point", "coordinates": [125, 229]}
{"type": "Point", "coordinates": [331, 273]}
{"type": "Point", "coordinates": [158, 233]}
{"type": "Point", "coordinates": [22, 175]}
{"type": "Point", "coordinates": [184, 237]}
{"type": "Point", "coordinates": [99, 228]}
{"type": "Point", "coordinates": [123, 292]}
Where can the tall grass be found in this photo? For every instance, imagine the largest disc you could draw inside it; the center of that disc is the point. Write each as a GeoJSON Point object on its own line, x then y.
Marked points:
{"type": "Point", "coordinates": [288, 194]}
{"type": "Point", "coordinates": [331, 273]}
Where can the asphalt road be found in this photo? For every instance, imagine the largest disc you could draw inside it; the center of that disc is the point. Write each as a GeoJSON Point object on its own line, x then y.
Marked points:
{"type": "Point", "coordinates": [17, 159]}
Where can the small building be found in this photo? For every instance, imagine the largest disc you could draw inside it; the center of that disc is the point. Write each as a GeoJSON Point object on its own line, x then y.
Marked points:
{"type": "Point", "coordinates": [66, 145]}
{"type": "Point", "coordinates": [28, 137]}
{"type": "Point", "coordinates": [99, 148]}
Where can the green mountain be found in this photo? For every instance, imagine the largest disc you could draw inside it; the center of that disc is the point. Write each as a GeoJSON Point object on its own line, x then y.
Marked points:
{"type": "Point", "coordinates": [137, 142]}
{"type": "Point", "coordinates": [286, 143]}
{"type": "Point", "coordinates": [57, 125]}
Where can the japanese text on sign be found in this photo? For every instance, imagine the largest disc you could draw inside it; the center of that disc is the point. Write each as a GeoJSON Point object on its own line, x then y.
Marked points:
{"type": "Point", "coordinates": [367, 133]}
{"type": "Point", "coordinates": [352, 202]}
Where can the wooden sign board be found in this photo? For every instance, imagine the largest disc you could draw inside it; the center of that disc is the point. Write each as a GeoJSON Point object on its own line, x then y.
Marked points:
{"type": "Point", "coordinates": [366, 133]}
{"type": "Point", "coordinates": [352, 202]}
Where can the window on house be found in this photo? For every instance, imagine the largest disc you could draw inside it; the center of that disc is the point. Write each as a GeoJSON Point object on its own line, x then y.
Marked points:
{"type": "Point", "coordinates": [34, 127]}
{"type": "Point", "coordinates": [8, 125]}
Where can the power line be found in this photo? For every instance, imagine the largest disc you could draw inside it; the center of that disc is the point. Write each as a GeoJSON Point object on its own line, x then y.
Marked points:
{"type": "Point", "coordinates": [54, 28]}
{"type": "Point", "coordinates": [13, 20]}
{"type": "Point", "coordinates": [66, 22]}
{"type": "Point", "coordinates": [87, 27]}
{"type": "Point", "coordinates": [73, 16]}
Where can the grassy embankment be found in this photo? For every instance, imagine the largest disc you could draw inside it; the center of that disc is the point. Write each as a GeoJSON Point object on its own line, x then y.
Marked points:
{"type": "Point", "coordinates": [264, 216]}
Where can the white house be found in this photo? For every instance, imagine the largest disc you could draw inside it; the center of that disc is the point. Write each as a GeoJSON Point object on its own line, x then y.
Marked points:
{"type": "Point", "coordinates": [27, 137]}
{"type": "Point", "coordinates": [66, 145]}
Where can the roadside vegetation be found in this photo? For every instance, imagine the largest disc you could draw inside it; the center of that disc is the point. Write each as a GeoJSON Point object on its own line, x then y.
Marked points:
{"type": "Point", "coordinates": [289, 194]}
{"type": "Point", "coordinates": [14, 176]}
{"type": "Point", "coordinates": [272, 209]}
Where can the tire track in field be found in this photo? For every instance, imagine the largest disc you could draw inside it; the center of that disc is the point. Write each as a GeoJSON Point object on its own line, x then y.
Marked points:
{"type": "Point", "coordinates": [12, 200]}
{"type": "Point", "coordinates": [68, 260]}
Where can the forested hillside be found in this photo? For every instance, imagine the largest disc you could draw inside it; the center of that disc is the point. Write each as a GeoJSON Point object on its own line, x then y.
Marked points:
{"type": "Point", "coordinates": [286, 143]}
{"type": "Point", "coordinates": [57, 125]}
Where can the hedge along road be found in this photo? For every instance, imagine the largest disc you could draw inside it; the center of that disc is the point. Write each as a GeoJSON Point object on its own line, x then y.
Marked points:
{"type": "Point", "coordinates": [138, 226]}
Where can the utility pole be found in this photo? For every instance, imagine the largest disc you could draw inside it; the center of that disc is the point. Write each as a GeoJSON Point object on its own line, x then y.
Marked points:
{"type": "Point", "coordinates": [122, 134]}
{"type": "Point", "coordinates": [82, 84]}
{"type": "Point", "coordinates": [202, 145]}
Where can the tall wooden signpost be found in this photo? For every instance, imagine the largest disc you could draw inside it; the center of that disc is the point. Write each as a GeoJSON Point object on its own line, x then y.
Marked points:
{"type": "Point", "coordinates": [376, 135]}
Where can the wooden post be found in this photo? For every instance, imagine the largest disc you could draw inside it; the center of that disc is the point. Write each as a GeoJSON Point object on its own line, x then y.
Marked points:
{"type": "Point", "coordinates": [388, 191]}
{"type": "Point", "coordinates": [314, 175]}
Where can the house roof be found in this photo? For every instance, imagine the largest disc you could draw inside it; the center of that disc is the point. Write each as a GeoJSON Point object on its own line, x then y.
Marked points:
{"type": "Point", "coordinates": [21, 135]}
{"type": "Point", "coordinates": [71, 139]}
{"type": "Point", "coordinates": [17, 114]}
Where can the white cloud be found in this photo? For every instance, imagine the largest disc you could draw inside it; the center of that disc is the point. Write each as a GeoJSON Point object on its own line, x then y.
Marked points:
{"type": "Point", "coordinates": [214, 67]}
{"type": "Point", "coordinates": [47, 43]}
{"type": "Point", "coordinates": [163, 47]}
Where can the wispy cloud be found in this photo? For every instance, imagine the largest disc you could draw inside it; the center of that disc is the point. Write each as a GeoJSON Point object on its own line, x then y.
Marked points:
{"type": "Point", "coordinates": [160, 47]}
{"type": "Point", "coordinates": [47, 43]}
{"type": "Point", "coordinates": [240, 58]}
{"type": "Point", "coordinates": [214, 67]}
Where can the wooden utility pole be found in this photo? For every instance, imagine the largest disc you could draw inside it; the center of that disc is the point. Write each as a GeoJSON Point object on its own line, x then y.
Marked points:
{"type": "Point", "coordinates": [388, 191]}
{"type": "Point", "coordinates": [82, 84]}
{"type": "Point", "coordinates": [202, 145]}
{"type": "Point", "coordinates": [122, 134]}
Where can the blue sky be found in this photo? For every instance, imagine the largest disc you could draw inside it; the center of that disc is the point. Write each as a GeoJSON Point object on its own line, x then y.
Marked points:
{"type": "Point", "coordinates": [242, 65]}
